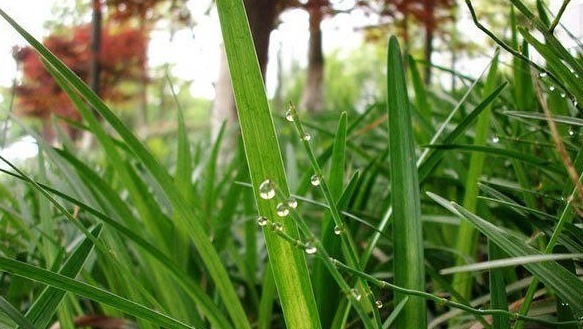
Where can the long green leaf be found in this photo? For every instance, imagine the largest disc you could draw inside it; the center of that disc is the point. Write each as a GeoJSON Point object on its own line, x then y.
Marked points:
{"type": "Point", "coordinates": [45, 306]}
{"type": "Point", "coordinates": [407, 229]}
{"type": "Point", "coordinates": [64, 283]}
{"type": "Point", "coordinates": [14, 314]}
{"type": "Point", "coordinates": [288, 264]}
{"type": "Point", "coordinates": [563, 282]}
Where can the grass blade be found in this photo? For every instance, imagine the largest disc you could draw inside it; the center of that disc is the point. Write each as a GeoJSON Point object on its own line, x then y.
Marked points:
{"type": "Point", "coordinates": [14, 314]}
{"type": "Point", "coordinates": [407, 229]}
{"type": "Point", "coordinates": [99, 295]}
{"type": "Point", "coordinates": [288, 264]}
{"type": "Point", "coordinates": [565, 284]}
{"type": "Point", "coordinates": [44, 307]}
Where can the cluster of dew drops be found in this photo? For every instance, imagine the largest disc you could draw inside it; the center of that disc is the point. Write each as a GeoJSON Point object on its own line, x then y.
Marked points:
{"type": "Point", "coordinates": [267, 192]}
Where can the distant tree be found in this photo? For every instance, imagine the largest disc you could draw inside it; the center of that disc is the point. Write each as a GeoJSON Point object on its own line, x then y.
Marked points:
{"type": "Point", "coordinates": [428, 14]}
{"type": "Point", "coordinates": [121, 58]}
{"type": "Point", "coordinates": [144, 14]}
{"type": "Point", "coordinates": [313, 93]}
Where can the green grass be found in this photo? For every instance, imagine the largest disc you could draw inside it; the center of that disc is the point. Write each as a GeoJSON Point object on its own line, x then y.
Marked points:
{"type": "Point", "coordinates": [467, 208]}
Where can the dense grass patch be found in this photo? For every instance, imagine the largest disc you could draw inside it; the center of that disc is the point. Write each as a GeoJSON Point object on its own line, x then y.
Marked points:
{"type": "Point", "coordinates": [418, 210]}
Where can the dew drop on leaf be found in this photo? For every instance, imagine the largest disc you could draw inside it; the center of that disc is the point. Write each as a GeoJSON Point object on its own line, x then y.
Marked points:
{"type": "Point", "coordinates": [310, 249]}
{"type": "Point", "coordinates": [306, 137]}
{"type": "Point", "coordinates": [262, 221]}
{"type": "Point", "coordinates": [355, 294]}
{"type": "Point", "coordinates": [266, 189]}
{"type": "Point", "coordinates": [292, 203]}
{"type": "Point", "coordinates": [289, 116]}
{"type": "Point", "coordinates": [282, 210]}
{"type": "Point", "coordinates": [315, 180]}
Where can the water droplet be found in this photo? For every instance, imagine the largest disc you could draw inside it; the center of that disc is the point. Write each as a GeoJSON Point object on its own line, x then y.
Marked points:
{"type": "Point", "coordinates": [292, 203]}
{"type": "Point", "coordinates": [282, 210]}
{"type": "Point", "coordinates": [355, 294]}
{"type": "Point", "coordinates": [378, 303]}
{"type": "Point", "coordinates": [289, 115]}
{"type": "Point", "coordinates": [495, 139]}
{"type": "Point", "coordinates": [267, 189]}
{"type": "Point", "coordinates": [315, 180]}
{"type": "Point", "coordinates": [277, 226]}
{"type": "Point", "coordinates": [571, 70]}
{"type": "Point", "coordinates": [542, 74]}
{"type": "Point", "coordinates": [575, 103]}
{"type": "Point", "coordinates": [306, 137]}
{"type": "Point", "coordinates": [571, 131]}
{"type": "Point", "coordinates": [552, 88]}
{"type": "Point", "coordinates": [310, 249]}
{"type": "Point", "coordinates": [262, 221]}
{"type": "Point", "coordinates": [563, 95]}
{"type": "Point", "coordinates": [337, 230]}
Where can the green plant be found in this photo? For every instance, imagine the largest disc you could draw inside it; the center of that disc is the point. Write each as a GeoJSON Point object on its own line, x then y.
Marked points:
{"type": "Point", "coordinates": [350, 241]}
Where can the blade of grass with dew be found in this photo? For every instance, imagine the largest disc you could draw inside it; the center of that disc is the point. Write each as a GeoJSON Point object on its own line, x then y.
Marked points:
{"type": "Point", "coordinates": [184, 213]}
{"type": "Point", "coordinates": [288, 264]}
{"type": "Point", "coordinates": [99, 295]}
{"type": "Point", "coordinates": [466, 237]}
{"type": "Point", "coordinates": [45, 306]}
{"type": "Point", "coordinates": [564, 283]}
{"type": "Point", "coordinates": [347, 244]}
{"type": "Point", "coordinates": [407, 228]}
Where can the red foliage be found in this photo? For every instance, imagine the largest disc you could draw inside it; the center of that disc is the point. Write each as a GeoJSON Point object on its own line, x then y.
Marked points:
{"type": "Point", "coordinates": [122, 58]}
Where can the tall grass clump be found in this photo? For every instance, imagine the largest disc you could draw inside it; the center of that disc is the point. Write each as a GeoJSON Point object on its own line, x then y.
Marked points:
{"type": "Point", "coordinates": [427, 208]}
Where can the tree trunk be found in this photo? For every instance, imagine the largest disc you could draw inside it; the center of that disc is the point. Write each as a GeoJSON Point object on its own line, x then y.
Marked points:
{"type": "Point", "coordinates": [313, 93]}
{"type": "Point", "coordinates": [94, 65]}
{"type": "Point", "coordinates": [261, 15]}
{"type": "Point", "coordinates": [429, 33]}
{"type": "Point", "coordinates": [86, 138]}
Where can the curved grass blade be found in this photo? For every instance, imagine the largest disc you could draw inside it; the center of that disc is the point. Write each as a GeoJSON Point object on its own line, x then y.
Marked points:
{"type": "Point", "coordinates": [265, 163]}
{"type": "Point", "coordinates": [540, 116]}
{"type": "Point", "coordinates": [564, 283]}
{"type": "Point", "coordinates": [45, 306]}
{"type": "Point", "coordinates": [14, 314]}
{"type": "Point", "coordinates": [407, 228]}
{"type": "Point", "coordinates": [83, 289]}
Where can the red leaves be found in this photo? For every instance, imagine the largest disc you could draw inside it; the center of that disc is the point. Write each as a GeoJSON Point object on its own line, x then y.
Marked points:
{"type": "Point", "coordinates": [122, 58]}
